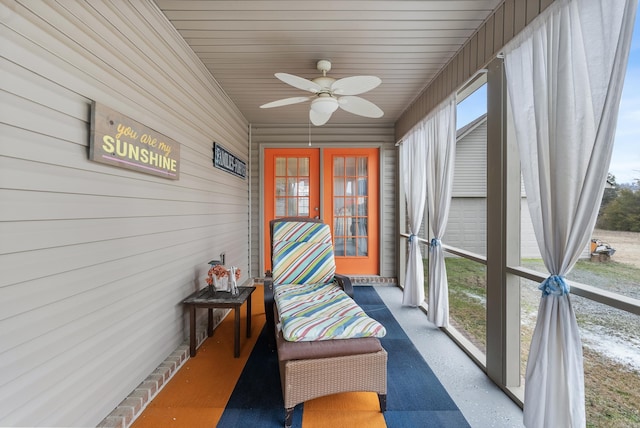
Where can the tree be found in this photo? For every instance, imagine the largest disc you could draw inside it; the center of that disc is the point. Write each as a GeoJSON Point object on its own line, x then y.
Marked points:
{"type": "Point", "coordinates": [623, 212]}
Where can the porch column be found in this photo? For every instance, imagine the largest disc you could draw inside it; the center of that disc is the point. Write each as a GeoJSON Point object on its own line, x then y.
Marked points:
{"type": "Point", "coordinates": [503, 236]}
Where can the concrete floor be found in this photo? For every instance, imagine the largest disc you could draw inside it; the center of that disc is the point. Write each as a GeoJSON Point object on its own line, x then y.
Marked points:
{"type": "Point", "coordinates": [482, 403]}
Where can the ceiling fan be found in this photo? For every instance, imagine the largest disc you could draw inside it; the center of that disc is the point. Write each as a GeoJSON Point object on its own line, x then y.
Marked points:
{"type": "Point", "coordinates": [330, 94]}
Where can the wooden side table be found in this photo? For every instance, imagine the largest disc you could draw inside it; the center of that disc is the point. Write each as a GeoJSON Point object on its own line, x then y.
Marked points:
{"type": "Point", "coordinates": [220, 299]}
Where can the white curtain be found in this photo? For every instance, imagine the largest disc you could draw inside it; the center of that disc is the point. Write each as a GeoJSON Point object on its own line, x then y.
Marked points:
{"type": "Point", "coordinates": [413, 166]}
{"type": "Point", "coordinates": [440, 134]}
{"type": "Point", "coordinates": [565, 74]}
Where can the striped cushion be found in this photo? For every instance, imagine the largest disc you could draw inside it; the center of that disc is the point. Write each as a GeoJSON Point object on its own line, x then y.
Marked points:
{"type": "Point", "coordinates": [315, 312]}
{"type": "Point", "coordinates": [302, 253]}
{"type": "Point", "coordinates": [290, 292]}
{"type": "Point", "coordinates": [310, 305]}
{"type": "Point", "coordinates": [301, 231]}
{"type": "Point", "coordinates": [303, 262]}
{"type": "Point", "coordinates": [301, 329]}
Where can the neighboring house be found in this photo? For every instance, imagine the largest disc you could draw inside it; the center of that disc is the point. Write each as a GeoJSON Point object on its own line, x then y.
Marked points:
{"type": "Point", "coordinates": [468, 213]}
{"type": "Point", "coordinates": [467, 221]}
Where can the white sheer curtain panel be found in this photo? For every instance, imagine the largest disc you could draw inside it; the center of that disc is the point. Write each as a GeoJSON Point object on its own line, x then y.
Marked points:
{"type": "Point", "coordinates": [413, 167]}
{"type": "Point", "coordinates": [565, 74]}
{"type": "Point", "coordinates": [440, 133]}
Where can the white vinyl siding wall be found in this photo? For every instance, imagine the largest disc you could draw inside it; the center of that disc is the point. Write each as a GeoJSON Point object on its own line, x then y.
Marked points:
{"type": "Point", "coordinates": [470, 173]}
{"type": "Point", "coordinates": [467, 223]}
{"type": "Point", "coordinates": [330, 136]}
{"type": "Point", "coordinates": [95, 260]}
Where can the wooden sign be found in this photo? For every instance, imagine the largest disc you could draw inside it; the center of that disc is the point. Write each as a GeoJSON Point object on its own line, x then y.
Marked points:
{"type": "Point", "coordinates": [227, 161]}
{"type": "Point", "coordinates": [120, 141]}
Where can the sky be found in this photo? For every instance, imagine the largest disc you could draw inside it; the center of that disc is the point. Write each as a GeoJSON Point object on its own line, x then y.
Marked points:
{"type": "Point", "coordinates": [625, 160]}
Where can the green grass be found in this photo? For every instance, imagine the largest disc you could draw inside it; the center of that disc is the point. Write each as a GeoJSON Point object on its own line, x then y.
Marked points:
{"type": "Point", "coordinates": [467, 299]}
{"type": "Point", "coordinates": [612, 393]}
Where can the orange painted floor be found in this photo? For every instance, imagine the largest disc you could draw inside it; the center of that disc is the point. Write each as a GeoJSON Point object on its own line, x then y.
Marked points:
{"type": "Point", "coordinates": [197, 394]}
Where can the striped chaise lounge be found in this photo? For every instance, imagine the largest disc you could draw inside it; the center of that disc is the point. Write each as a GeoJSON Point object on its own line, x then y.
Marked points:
{"type": "Point", "coordinates": [325, 342]}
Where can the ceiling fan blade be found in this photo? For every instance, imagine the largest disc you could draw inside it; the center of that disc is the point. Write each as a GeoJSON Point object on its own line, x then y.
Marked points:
{"type": "Point", "coordinates": [360, 106]}
{"type": "Point", "coordinates": [299, 82]}
{"type": "Point", "coordinates": [318, 119]}
{"type": "Point", "coordinates": [355, 85]}
{"type": "Point", "coordinates": [285, 102]}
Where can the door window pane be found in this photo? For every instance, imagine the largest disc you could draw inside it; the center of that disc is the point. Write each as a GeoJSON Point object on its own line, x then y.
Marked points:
{"type": "Point", "coordinates": [280, 207]}
{"type": "Point", "coordinates": [350, 212]}
{"type": "Point", "coordinates": [362, 167]}
{"type": "Point", "coordinates": [292, 186]}
{"type": "Point", "coordinates": [350, 165]}
{"type": "Point", "coordinates": [281, 167]}
{"type": "Point", "coordinates": [338, 166]}
{"type": "Point", "coordinates": [362, 210]}
{"type": "Point", "coordinates": [292, 207]}
{"type": "Point", "coordinates": [303, 187]}
{"type": "Point", "coordinates": [338, 186]}
{"type": "Point", "coordinates": [351, 187]}
{"type": "Point", "coordinates": [303, 206]}
{"type": "Point", "coordinates": [362, 187]}
{"type": "Point", "coordinates": [292, 166]}
{"type": "Point", "coordinates": [303, 165]}
{"type": "Point", "coordinates": [280, 187]}
{"type": "Point", "coordinates": [341, 226]}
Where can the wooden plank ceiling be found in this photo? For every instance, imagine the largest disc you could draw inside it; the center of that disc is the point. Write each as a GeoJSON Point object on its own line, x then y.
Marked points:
{"type": "Point", "coordinates": [405, 43]}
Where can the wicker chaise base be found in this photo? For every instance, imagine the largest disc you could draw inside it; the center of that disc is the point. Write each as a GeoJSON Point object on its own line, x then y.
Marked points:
{"type": "Point", "coordinates": [306, 379]}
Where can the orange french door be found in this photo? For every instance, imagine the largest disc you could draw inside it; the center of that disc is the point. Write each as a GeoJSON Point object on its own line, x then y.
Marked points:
{"type": "Point", "coordinates": [350, 202]}
{"type": "Point", "coordinates": [291, 187]}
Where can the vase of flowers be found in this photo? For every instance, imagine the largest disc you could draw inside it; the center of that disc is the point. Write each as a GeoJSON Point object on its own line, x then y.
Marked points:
{"type": "Point", "coordinates": [220, 278]}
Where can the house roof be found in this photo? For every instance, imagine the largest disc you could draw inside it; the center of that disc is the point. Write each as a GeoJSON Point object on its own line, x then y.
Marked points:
{"type": "Point", "coordinates": [460, 133]}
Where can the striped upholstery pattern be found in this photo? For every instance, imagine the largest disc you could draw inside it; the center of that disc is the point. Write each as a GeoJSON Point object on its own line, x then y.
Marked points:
{"type": "Point", "coordinates": [321, 312]}
{"type": "Point", "coordinates": [311, 307]}
{"type": "Point", "coordinates": [302, 253]}
{"type": "Point", "coordinates": [301, 231]}
{"type": "Point", "coordinates": [309, 292]}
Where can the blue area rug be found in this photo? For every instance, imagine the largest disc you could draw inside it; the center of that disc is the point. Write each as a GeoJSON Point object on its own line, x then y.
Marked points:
{"type": "Point", "coordinates": [415, 397]}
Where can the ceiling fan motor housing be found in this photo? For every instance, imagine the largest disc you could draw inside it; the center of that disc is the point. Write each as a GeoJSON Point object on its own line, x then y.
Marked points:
{"type": "Point", "coordinates": [323, 65]}
{"type": "Point", "coordinates": [325, 82]}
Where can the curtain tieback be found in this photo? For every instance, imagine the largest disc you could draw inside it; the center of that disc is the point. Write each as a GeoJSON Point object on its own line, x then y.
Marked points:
{"type": "Point", "coordinates": [555, 285]}
{"type": "Point", "coordinates": [411, 236]}
{"type": "Point", "coordinates": [435, 242]}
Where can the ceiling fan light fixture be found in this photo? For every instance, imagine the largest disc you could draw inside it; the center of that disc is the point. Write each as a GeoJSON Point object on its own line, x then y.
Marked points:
{"type": "Point", "coordinates": [331, 94]}
{"type": "Point", "coordinates": [324, 105]}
